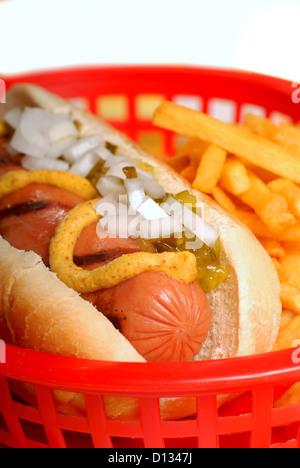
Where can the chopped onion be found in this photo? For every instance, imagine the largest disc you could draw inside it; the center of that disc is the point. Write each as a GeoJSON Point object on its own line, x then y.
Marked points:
{"type": "Point", "coordinates": [82, 146]}
{"type": "Point", "coordinates": [191, 221]}
{"type": "Point", "coordinates": [44, 137]}
{"type": "Point", "coordinates": [110, 185]}
{"type": "Point", "coordinates": [113, 160]}
{"type": "Point", "coordinates": [103, 152]}
{"type": "Point", "coordinates": [20, 144]}
{"type": "Point", "coordinates": [56, 149]}
{"type": "Point", "coordinates": [29, 137]}
{"type": "Point", "coordinates": [160, 228]}
{"type": "Point", "coordinates": [135, 191]}
{"type": "Point", "coordinates": [85, 164]}
{"type": "Point", "coordinates": [151, 210]}
{"type": "Point", "coordinates": [152, 188]}
{"type": "Point", "coordinates": [32, 163]}
{"type": "Point", "coordinates": [13, 117]}
{"type": "Point", "coordinates": [117, 170]}
{"type": "Point", "coordinates": [61, 127]}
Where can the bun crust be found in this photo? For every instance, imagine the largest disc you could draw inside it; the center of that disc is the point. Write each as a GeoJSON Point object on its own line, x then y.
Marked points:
{"type": "Point", "coordinates": [39, 312]}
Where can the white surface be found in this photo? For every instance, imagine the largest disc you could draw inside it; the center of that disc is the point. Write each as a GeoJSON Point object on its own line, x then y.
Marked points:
{"type": "Point", "coordinates": [261, 35]}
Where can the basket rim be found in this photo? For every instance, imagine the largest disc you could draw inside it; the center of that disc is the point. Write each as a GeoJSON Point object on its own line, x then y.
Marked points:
{"type": "Point", "coordinates": [278, 84]}
{"type": "Point", "coordinates": [151, 378]}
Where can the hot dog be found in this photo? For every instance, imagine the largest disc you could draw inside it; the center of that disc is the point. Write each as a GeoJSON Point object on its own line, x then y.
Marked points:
{"type": "Point", "coordinates": [162, 314]}
{"type": "Point", "coordinates": [28, 218]}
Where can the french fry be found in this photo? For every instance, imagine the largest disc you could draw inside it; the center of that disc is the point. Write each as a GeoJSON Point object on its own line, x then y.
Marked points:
{"type": "Point", "coordinates": [285, 135]}
{"type": "Point", "coordinates": [248, 187]}
{"type": "Point", "coordinates": [194, 149]}
{"type": "Point", "coordinates": [273, 247]}
{"type": "Point", "coordinates": [288, 335]}
{"type": "Point", "coordinates": [290, 397]}
{"type": "Point", "coordinates": [286, 317]}
{"type": "Point", "coordinates": [288, 135]}
{"type": "Point", "coordinates": [234, 177]}
{"type": "Point", "coordinates": [263, 174]}
{"type": "Point", "coordinates": [253, 148]}
{"type": "Point", "coordinates": [261, 126]}
{"type": "Point", "coordinates": [260, 229]}
{"type": "Point", "coordinates": [178, 162]}
{"type": "Point", "coordinates": [291, 247]}
{"type": "Point", "coordinates": [290, 191]}
{"type": "Point", "coordinates": [255, 224]}
{"type": "Point", "coordinates": [223, 200]}
{"type": "Point", "coordinates": [290, 234]}
{"type": "Point", "coordinates": [282, 276]}
{"type": "Point", "coordinates": [271, 207]}
{"type": "Point", "coordinates": [291, 265]}
{"type": "Point", "coordinates": [209, 169]}
{"type": "Point", "coordinates": [290, 297]}
{"type": "Point", "coordinates": [189, 173]}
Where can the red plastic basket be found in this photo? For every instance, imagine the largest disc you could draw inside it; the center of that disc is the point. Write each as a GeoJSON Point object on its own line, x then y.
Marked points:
{"type": "Point", "coordinates": [126, 96]}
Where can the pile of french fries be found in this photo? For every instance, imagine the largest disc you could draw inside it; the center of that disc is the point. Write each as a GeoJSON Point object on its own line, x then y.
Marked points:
{"type": "Point", "coordinates": [252, 170]}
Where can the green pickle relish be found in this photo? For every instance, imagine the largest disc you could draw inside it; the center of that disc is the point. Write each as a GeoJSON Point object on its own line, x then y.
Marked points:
{"type": "Point", "coordinates": [210, 271]}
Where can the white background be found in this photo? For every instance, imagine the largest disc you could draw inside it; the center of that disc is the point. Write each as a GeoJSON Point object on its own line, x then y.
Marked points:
{"type": "Point", "coordinates": [259, 35]}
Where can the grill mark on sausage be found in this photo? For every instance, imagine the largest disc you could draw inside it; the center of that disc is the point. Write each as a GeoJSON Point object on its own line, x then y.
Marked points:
{"type": "Point", "coordinates": [103, 257]}
{"type": "Point", "coordinates": [28, 207]}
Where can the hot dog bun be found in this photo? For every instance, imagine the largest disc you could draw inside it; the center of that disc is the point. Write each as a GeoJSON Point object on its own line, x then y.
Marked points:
{"type": "Point", "coordinates": [245, 308]}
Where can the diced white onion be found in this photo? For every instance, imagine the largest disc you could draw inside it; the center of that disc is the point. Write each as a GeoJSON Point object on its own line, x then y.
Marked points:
{"type": "Point", "coordinates": [151, 210]}
{"type": "Point", "coordinates": [82, 146]}
{"type": "Point", "coordinates": [13, 117]}
{"type": "Point", "coordinates": [191, 221]}
{"type": "Point", "coordinates": [110, 185]}
{"type": "Point", "coordinates": [56, 149]}
{"type": "Point", "coordinates": [29, 138]}
{"type": "Point", "coordinates": [117, 170]}
{"type": "Point", "coordinates": [84, 164]}
{"type": "Point", "coordinates": [32, 163]}
{"type": "Point", "coordinates": [160, 228]}
{"type": "Point", "coordinates": [128, 207]}
{"type": "Point", "coordinates": [113, 160]}
{"type": "Point", "coordinates": [135, 191]}
{"type": "Point", "coordinates": [20, 144]}
{"type": "Point", "coordinates": [103, 152]}
{"type": "Point", "coordinates": [153, 188]}
{"type": "Point", "coordinates": [61, 128]}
